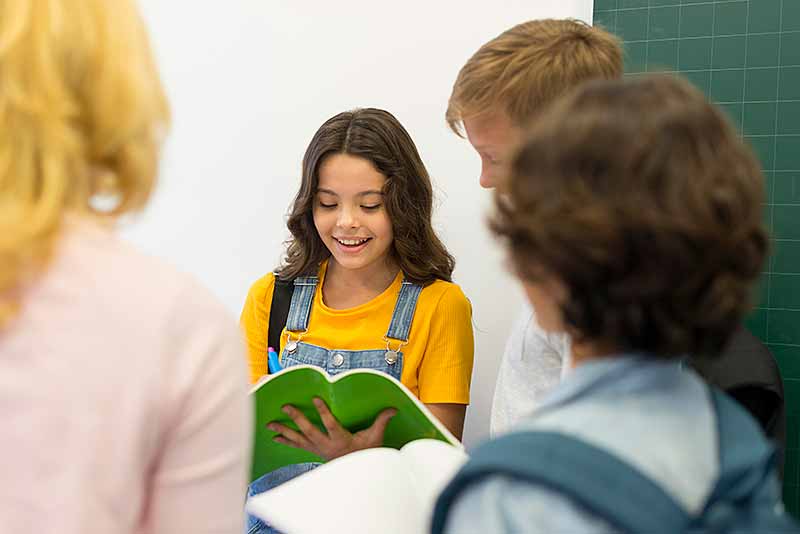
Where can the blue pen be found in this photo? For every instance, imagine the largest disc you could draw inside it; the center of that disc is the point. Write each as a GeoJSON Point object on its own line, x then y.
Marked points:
{"type": "Point", "coordinates": [273, 363]}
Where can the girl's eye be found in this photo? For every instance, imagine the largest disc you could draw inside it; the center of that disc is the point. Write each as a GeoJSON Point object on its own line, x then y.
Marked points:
{"type": "Point", "coordinates": [372, 207]}
{"type": "Point", "coordinates": [326, 206]}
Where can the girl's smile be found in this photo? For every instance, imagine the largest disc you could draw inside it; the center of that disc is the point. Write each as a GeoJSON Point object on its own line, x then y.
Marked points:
{"type": "Point", "coordinates": [352, 245]}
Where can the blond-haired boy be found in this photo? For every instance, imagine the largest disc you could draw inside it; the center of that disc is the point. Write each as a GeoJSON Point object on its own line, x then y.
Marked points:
{"type": "Point", "coordinates": [503, 86]}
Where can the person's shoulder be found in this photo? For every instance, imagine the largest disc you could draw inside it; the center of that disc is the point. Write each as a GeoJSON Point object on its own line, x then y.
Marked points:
{"type": "Point", "coordinates": [501, 503]}
{"type": "Point", "coordinates": [444, 289]}
{"type": "Point", "coordinates": [443, 294]}
{"type": "Point", "coordinates": [261, 288]}
{"type": "Point", "coordinates": [535, 337]}
{"type": "Point", "coordinates": [129, 291]}
{"type": "Point", "coordinates": [118, 269]}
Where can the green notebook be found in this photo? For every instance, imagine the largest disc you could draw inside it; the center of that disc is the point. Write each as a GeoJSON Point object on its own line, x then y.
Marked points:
{"type": "Point", "coordinates": [355, 398]}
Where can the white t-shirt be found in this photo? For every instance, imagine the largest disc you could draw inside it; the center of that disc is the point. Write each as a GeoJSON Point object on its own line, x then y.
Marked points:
{"type": "Point", "coordinates": [533, 363]}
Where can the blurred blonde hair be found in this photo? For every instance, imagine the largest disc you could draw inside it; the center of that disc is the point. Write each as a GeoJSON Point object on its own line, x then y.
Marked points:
{"type": "Point", "coordinates": [526, 67]}
{"type": "Point", "coordinates": [82, 113]}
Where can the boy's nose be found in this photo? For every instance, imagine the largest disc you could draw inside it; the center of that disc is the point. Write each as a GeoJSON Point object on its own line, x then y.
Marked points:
{"type": "Point", "coordinates": [486, 179]}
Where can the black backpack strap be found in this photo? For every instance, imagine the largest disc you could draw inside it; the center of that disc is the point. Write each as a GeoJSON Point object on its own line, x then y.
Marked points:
{"type": "Point", "coordinates": [279, 311]}
{"type": "Point", "coordinates": [590, 477]}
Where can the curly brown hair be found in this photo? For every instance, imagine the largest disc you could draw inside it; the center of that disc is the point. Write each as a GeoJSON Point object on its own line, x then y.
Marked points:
{"type": "Point", "coordinates": [377, 136]}
{"type": "Point", "coordinates": [641, 198]}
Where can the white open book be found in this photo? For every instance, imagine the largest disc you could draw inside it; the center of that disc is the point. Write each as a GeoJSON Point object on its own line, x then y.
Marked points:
{"type": "Point", "coordinates": [380, 490]}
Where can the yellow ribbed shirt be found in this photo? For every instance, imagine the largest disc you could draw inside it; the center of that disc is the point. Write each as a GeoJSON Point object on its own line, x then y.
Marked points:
{"type": "Point", "coordinates": [437, 361]}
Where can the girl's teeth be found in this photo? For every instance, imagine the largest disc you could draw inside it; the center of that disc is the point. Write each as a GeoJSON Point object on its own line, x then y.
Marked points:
{"type": "Point", "coordinates": [351, 242]}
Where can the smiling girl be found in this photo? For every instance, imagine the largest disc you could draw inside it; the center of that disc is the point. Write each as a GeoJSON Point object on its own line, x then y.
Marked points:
{"type": "Point", "coordinates": [372, 281]}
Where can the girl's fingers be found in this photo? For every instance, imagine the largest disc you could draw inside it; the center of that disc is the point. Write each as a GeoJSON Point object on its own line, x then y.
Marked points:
{"type": "Point", "coordinates": [284, 441]}
{"type": "Point", "coordinates": [287, 434]}
{"type": "Point", "coordinates": [309, 430]}
{"type": "Point", "coordinates": [331, 423]}
{"type": "Point", "coordinates": [378, 428]}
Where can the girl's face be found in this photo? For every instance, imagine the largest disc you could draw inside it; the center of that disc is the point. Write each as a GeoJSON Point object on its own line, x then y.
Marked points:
{"type": "Point", "coordinates": [349, 212]}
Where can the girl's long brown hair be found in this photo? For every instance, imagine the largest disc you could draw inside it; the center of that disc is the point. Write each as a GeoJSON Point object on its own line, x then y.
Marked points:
{"type": "Point", "coordinates": [377, 136]}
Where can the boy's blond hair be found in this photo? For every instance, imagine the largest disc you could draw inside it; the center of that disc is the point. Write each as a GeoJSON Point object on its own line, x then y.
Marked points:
{"type": "Point", "coordinates": [82, 112]}
{"type": "Point", "coordinates": [529, 65]}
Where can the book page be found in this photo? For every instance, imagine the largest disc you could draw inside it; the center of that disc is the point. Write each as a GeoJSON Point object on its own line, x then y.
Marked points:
{"type": "Point", "coordinates": [375, 490]}
{"type": "Point", "coordinates": [431, 465]}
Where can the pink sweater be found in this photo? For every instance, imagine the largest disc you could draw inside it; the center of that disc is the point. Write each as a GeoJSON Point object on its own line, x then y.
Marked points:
{"type": "Point", "coordinates": [123, 400]}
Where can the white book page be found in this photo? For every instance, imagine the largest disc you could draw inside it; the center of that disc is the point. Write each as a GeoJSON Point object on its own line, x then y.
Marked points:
{"type": "Point", "coordinates": [375, 490]}
{"type": "Point", "coordinates": [431, 465]}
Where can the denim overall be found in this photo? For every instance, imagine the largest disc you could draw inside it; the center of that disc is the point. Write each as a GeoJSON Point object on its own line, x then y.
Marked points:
{"type": "Point", "coordinates": [296, 352]}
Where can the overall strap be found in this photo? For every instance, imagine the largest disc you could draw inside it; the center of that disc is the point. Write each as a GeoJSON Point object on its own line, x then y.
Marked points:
{"type": "Point", "coordinates": [590, 477]}
{"type": "Point", "coordinates": [300, 308]}
{"type": "Point", "coordinates": [403, 314]}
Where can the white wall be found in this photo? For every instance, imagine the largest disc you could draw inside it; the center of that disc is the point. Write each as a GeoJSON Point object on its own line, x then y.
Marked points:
{"type": "Point", "coordinates": [250, 82]}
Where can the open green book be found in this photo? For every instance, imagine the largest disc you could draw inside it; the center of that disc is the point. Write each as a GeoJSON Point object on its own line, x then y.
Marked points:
{"type": "Point", "coordinates": [355, 398]}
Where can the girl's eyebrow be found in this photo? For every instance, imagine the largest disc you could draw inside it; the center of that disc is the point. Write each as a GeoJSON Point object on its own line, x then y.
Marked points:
{"type": "Point", "coordinates": [361, 194]}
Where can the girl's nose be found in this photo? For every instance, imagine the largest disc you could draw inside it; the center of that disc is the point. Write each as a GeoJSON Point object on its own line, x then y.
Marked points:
{"type": "Point", "coordinates": [347, 219]}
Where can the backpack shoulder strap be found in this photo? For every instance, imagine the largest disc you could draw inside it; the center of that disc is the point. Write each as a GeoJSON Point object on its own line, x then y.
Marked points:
{"type": "Point", "coordinates": [592, 478]}
{"type": "Point", "coordinates": [279, 311]}
{"type": "Point", "coordinates": [612, 489]}
{"type": "Point", "coordinates": [746, 497]}
{"type": "Point", "coordinates": [747, 459]}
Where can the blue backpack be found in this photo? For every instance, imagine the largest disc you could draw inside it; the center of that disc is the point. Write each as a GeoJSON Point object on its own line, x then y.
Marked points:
{"type": "Point", "coordinates": [745, 500]}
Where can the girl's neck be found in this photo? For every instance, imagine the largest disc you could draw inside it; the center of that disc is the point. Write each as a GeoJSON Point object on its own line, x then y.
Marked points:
{"type": "Point", "coordinates": [347, 288]}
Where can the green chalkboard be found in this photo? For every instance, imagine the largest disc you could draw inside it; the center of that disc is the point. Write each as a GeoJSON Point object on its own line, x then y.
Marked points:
{"type": "Point", "coordinates": [745, 54]}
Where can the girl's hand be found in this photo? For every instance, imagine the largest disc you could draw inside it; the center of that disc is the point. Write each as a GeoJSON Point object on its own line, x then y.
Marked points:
{"type": "Point", "coordinates": [337, 441]}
